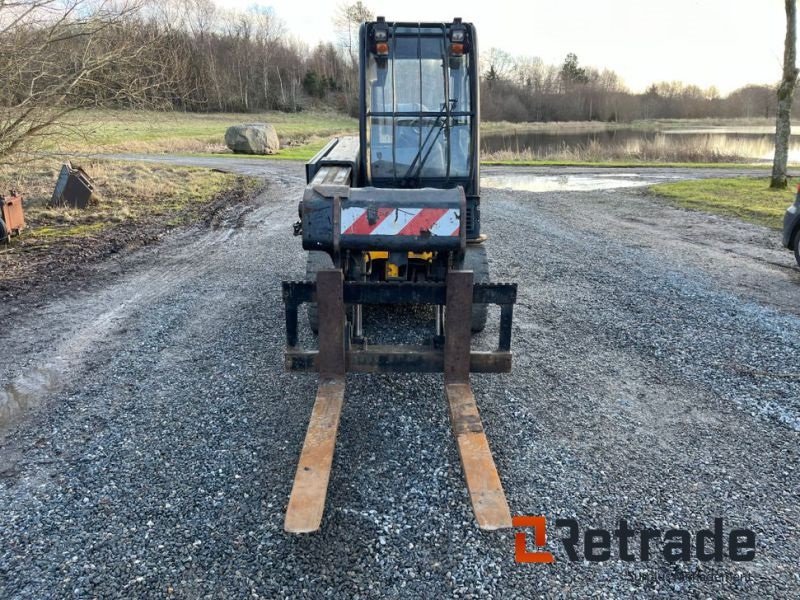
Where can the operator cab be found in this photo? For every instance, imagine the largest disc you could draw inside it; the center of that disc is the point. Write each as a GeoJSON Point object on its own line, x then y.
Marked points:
{"type": "Point", "coordinates": [419, 107]}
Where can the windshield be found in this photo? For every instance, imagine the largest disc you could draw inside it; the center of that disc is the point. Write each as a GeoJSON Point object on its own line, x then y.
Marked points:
{"type": "Point", "coordinates": [418, 110]}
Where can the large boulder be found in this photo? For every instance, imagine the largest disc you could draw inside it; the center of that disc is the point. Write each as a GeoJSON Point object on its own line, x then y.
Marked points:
{"type": "Point", "coordinates": [252, 138]}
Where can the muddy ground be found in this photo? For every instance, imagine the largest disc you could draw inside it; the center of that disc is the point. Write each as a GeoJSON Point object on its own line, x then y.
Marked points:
{"type": "Point", "coordinates": [656, 380]}
{"type": "Point", "coordinates": [36, 269]}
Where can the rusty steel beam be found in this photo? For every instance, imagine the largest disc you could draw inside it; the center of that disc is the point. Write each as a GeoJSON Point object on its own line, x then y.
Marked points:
{"type": "Point", "coordinates": [457, 333]}
{"type": "Point", "coordinates": [483, 482]}
{"type": "Point", "coordinates": [310, 488]}
{"type": "Point", "coordinates": [307, 501]}
{"type": "Point", "coordinates": [399, 359]}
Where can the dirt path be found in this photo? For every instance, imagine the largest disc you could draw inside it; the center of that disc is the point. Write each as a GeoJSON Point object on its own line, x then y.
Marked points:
{"type": "Point", "coordinates": [655, 380]}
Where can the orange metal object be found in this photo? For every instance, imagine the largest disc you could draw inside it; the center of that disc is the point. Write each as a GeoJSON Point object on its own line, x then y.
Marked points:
{"type": "Point", "coordinates": [12, 214]}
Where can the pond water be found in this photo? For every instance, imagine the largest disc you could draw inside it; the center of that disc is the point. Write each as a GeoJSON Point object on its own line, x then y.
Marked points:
{"type": "Point", "coordinates": [755, 143]}
{"type": "Point", "coordinates": [573, 183]}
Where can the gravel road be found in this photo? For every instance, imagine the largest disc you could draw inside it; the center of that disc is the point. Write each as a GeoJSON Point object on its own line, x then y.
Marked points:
{"type": "Point", "coordinates": [656, 380]}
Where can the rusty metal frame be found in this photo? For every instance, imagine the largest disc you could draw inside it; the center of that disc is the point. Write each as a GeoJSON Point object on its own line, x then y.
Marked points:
{"type": "Point", "coordinates": [400, 358]}
{"type": "Point", "coordinates": [455, 359]}
{"type": "Point", "coordinates": [483, 482]}
{"type": "Point", "coordinates": [310, 488]}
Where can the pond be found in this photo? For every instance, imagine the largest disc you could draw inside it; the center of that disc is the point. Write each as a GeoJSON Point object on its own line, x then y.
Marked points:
{"type": "Point", "coordinates": [713, 144]}
{"type": "Point", "coordinates": [527, 182]}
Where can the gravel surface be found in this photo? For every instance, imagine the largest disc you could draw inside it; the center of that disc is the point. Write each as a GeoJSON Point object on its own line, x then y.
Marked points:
{"type": "Point", "coordinates": [656, 380]}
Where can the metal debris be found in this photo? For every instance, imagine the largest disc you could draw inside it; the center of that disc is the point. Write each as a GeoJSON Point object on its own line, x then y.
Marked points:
{"type": "Point", "coordinates": [74, 188]}
{"type": "Point", "coordinates": [12, 217]}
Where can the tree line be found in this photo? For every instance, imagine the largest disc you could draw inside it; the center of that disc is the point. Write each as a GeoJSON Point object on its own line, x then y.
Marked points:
{"type": "Point", "coordinates": [193, 55]}
{"type": "Point", "coordinates": [527, 89]}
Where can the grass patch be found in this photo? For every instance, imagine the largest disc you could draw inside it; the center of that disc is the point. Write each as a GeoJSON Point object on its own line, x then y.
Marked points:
{"type": "Point", "coordinates": [303, 134]}
{"type": "Point", "coordinates": [149, 131]}
{"type": "Point", "coordinates": [640, 124]}
{"type": "Point", "coordinates": [124, 193]}
{"type": "Point", "coordinates": [749, 199]}
{"type": "Point", "coordinates": [302, 152]}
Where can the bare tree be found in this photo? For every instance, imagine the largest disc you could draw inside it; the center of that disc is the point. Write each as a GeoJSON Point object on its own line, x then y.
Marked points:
{"type": "Point", "coordinates": [498, 64]}
{"type": "Point", "coordinates": [347, 21]}
{"type": "Point", "coordinates": [783, 123]}
{"type": "Point", "coordinates": [60, 55]}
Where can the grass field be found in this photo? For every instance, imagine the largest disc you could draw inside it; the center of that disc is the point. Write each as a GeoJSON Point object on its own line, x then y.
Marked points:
{"type": "Point", "coordinates": [303, 134]}
{"type": "Point", "coordinates": [125, 193]}
{"type": "Point", "coordinates": [146, 131]}
{"type": "Point", "coordinates": [747, 198]}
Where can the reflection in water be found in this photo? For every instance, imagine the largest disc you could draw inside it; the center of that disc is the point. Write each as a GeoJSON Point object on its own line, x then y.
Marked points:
{"type": "Point", "coordinates": [570, 183]}
{"type": "Point", "coordinates": [26, 392]}
{"type": "Point", "coordinates": [753, 143]}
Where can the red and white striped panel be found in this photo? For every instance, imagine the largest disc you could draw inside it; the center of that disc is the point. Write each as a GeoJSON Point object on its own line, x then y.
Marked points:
{"type": "Point", "coordinates": [401, 221]}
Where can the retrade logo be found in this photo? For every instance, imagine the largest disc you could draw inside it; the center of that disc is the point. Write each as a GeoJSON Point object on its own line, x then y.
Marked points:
{"type": "Point", "coordinates": [627, 544]}
{"type": "Point", "coordinates": [521, 552]}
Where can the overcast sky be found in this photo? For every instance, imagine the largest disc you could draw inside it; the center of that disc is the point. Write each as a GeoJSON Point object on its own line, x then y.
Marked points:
{"type": "Point", "coordinates": [726, 43]}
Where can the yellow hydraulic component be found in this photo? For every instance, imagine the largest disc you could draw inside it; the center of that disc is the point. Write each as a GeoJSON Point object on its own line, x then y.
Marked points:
{"type": "Point", "coordinates": [393, 270]}
{"type": "Point", "coordinates": [383, 255]}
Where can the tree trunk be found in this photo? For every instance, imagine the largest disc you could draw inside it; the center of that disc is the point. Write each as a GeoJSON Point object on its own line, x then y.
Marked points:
{"type": "Point", "coordinates": [783, 123]}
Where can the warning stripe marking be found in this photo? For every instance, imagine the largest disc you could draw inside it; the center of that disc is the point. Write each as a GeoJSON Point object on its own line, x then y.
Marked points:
{"type": "Point", "coordinates": [424, 221]}
{"type": "Point", "coordinates": [447, 225]}
{"type": "Point", "coordinates": [400, 221]}
{"type": "Point", "coordinates": [396, 222]}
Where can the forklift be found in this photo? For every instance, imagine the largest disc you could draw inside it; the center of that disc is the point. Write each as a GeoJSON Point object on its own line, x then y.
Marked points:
{"type": "Point", "coordinates": [392, 217]}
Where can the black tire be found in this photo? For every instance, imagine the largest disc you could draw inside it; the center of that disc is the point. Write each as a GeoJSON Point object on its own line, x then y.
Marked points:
{"type": "Point", "coordinates": [797, 246]}
{"type": "Point", "coordinates": [315, 261]}
{"type": "Point", "coordinates": [477, 261]}
{"type": "Point", "coordinates": [3, 232]}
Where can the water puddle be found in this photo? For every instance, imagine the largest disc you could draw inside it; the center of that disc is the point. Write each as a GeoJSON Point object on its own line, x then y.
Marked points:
{"type": "Point", "coordinates": [569, 183]}
{"type": "Point", "coordinates": [27, 392]}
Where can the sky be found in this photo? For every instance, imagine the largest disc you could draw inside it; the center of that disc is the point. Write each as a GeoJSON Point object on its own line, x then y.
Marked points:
{"type": "Point", "coordinates": [724, 43]}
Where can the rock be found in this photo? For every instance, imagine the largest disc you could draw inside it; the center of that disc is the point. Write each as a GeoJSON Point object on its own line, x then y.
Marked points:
{"type": "Point", "coordinates": [252, 138]}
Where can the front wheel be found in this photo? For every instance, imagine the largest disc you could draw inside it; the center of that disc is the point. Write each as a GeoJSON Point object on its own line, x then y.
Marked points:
{"type": "Point", "coordinates": [797, 246]}
{"type": "Point", "coordinates": [315, 261]}
{"type": "Point", "coordinates": [477, 261]}
{"type": "Point", "coordinates": [3, 232]}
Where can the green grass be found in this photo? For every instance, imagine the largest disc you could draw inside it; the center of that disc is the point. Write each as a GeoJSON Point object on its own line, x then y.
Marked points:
{"type": "Point", "coordinates": [749, 199]}
{"type": "Point", "coordinates": [302, 152]}
{"type": "Point", "coordinates": [69, 231]}
{"type": "Point", "coordinates": [492, 127]}
{"type": "Point", "coordinates": [303, 134]}
{"type": "Point", "coordinates": [148, 131]}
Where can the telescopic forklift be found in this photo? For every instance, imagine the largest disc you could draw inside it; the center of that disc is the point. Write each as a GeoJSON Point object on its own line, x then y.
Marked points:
{"type": "Point", "coordinates": [393, 217]}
